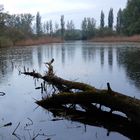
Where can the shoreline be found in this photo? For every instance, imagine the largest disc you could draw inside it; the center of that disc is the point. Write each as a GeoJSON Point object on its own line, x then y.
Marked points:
{"type": "Point", "coordinates": [134, 40]}
{"type": "Point", "coordinates": [38, 41]}
{"type": "Point", "coordinates": [117, 39]}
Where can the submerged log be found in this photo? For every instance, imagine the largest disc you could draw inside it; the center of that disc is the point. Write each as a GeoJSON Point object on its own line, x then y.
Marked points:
{"type": "Point", "coordinates": [86, 95]}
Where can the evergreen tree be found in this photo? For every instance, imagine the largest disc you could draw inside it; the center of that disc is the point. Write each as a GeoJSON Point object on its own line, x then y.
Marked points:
{"type": "Point", "coordinates": [38, 24]}
{"type": "Point", "coordinates": [102, 23]}
{"type": "Point", "coordinates": [110, 19]}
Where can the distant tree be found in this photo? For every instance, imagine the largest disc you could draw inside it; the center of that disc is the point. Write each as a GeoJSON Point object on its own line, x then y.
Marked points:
{"type": "Point", "coordinates": [91, 23]}
{"type": "Point", "coordinates": [88, 28]}
{"type": "Point", "coordinates": [51, 28]}
{"type": "Point", "coordinates": [102, 22]}
{"type": "Point", "coordinates": [119, 24]}
{"type": "Point", "coordinates": [70, 25]}
{"type": "Point", "coordinates": [70, 30]}
{"type": "Point", "coordinates": [44, 27]}
{"type": "Point", "coordinates": [131, 17]}
{"type": "Point", "coordinates": [110, 19]}
{"type": "Point", "coordinates": [38, 24]}
{"type": "Point", "coordinates": [56, 26]}
{"type": "Point", "coordinates": [62, 23]}
{"type": "Point", "coordinates": [56, 30]}
{"type": "Point", "coordinates": [19, 26]}
{"type": "Point", "coordinates": [84, 28]}
{"type": "Point", "coordinates": [47, 27]}
{"type": "Point", "coordinates": [26, 23]}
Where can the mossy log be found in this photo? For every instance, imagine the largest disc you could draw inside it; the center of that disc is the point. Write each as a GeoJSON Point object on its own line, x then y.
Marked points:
{"type": "Point", "coordinates": [87, 95]}
{"type": "Point", "coordinates": [115, 101]}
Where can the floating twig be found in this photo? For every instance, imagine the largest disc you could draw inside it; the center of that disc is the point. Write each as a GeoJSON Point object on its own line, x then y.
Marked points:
{"type": "Point", "coordinates": [5, 125]}
{"type": "Point", "coordinates": [16, 129]}
{"type": "Point", "coordinates": [28, 124]}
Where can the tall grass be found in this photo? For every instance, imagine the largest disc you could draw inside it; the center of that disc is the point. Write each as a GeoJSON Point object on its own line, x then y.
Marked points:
{"type": "Point", "coordinates": [135, 38]}
{"type": "Point", "coordinates": [38, 41]}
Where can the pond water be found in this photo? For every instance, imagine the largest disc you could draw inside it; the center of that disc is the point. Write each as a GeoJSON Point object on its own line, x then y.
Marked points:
{"type": "Point", "coordinates": [92, 63]}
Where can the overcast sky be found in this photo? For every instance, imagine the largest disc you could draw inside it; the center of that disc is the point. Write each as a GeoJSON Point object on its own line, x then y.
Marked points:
{"type": "Point", "coordinates": [71, 9]}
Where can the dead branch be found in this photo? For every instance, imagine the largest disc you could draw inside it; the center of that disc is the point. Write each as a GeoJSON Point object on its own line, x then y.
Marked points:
{"type": "Point", "coordinates": [15, 129]}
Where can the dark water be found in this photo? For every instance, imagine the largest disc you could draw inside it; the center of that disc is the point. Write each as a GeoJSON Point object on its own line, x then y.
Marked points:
{"type": "Point", "coordinates": [95, 64]}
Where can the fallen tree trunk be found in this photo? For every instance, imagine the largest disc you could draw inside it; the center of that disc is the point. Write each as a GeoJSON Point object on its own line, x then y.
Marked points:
{"type": "Point", "coordinates": [86, 95]}
{"type": "Point", "coordinates": [115, 101]}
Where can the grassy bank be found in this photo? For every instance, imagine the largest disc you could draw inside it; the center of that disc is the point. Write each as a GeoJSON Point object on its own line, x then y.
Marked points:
{"type": "Point", "coordinates": [115, 39]}
{"type": "Point", "coordinates": [6, 42]}
{"type": "Point", "coordinates": [38, 41]}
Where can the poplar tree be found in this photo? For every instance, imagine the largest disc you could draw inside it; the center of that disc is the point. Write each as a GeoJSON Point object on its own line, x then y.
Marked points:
{"type": "Point", "coordinates": [119, 24]}
{"type": "Point", "coordinates": [38, 24]}
{"type": "Point", "coordinates": [62, 23]}
{"type": "Point", "coordinates": [102, 23]}
{"type": "Point", "coordinates": [110, 19]}
{"type": "Point", "coordinates": [84, 28]}
{"type": "Point", "coordinates": [51, 28]}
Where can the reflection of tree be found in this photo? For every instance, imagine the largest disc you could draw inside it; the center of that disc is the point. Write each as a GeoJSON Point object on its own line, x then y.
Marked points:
{"type": "Point", "coordinates": [49, 51]}
{"type": "Point", "coordinates": [102, 56]}
{"type": "Point", "coordinates": [110, 56]}
{"type": "Point", "coordinates": [109, 121]}
{"type": "Point", "coordinates": [130, 59]}
{"type": "Point", "coordinates": [71, 51]}
{"type": "Point", "coordinates": [39, 54]}
{"type": "Point", "coordinates": [20, 56]}
{"type": "Point", "coordinates": [63, 53]}
{"type": "Point", "coordinates": [9, 57]}
{"type": "Point", "coordinates": [88, 53]}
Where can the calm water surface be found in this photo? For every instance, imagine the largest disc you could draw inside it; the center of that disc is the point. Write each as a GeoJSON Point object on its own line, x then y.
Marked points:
{"type": "Point", "coordinates": [95, 64]}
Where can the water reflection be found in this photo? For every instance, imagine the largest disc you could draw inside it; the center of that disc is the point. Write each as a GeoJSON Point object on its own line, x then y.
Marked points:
{"type": "Point", "coordinates": [39, 56]}
{"type": "Point", "coordinates": [102, 56]}
{"type": "Point", "coordinates": [110, 56]}
{"type": "Point", "coordinates": [63, 54]}
{"type": "Point", "coordinates": [98, 118]}
{"type": "Point", "coordinates": [9, 58]}
{"type": "Point", "coordinates": [88, 53]}
{"type": "Point", "coordinates": [129, 59]}
{"type": "Point", "coordinates": [71, 52]}
{"type": "Point", "coordinates": [95, 64]}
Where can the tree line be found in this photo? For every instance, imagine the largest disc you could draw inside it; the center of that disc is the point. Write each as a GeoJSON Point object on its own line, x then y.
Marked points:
{"type": "Point", "coordinates": [22, 26]}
